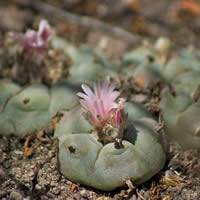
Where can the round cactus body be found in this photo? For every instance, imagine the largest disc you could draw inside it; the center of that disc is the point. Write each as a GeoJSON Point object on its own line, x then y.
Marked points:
{"type": "Point", "coordinates": [63, 96]}
{"type": "Point", "coordinates": [6, 90]}
{"type": "Point", "coordinates": [88, 66]}
{"type": "Point", "coordinates": [136, 111]}
{"type": "Point", "coordinates": [26, 111]}
{"type": "Point", "coordinates": [187, 82]}
{"type": "Point", "coordinates": [141, 63]}
{"type": "Point", "coordinates": [84, 159]}
{"type": "Point", "coordinates": [136, 56]}
{"type": "Point", "coordinates": [148, 72]}
{"type": "Point", "coordinates": [175, 67]}
{"type": "Point", "coordinates": [180, 116]}
{"type": "Point", "coordinates": [183, 72]}
{"type": "Point", "coordinates": [188, 127]}
{"type": "Point", "coordinates": [73, 122]}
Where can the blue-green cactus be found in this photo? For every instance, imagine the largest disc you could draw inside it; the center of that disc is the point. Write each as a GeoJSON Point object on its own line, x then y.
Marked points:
{"type": "Point", "coordinates": [25, 110]}
{"type": "Point", "coordinates": [180, 116]}
{"type": "Point", "coordinates": [89, 64]}
{"type": "Point", "coordinates": [63, 96]}
{"type": "Point", "coordinates": [73, 122]}
{"type": "Point", "coordinates": [6, 90]}
{"type": "Point", "coordinates": [85, 160]}
{"type": "Point", "coordinates": [31, 108]}
{"type": "Point", "coordinates": [183, 71]}
{"type": "Point", "coordinates": [97, 159]}
{"type": "Point", "coordinates": [136, 111]}
{"type": "Point", "coordinates": [98, 149]}
{"type": "Point", "coordinates": [143, 63]}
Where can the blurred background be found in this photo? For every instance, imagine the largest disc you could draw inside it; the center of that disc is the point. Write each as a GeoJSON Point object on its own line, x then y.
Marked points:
{"type": "Point", "coordinates": [177, 19]}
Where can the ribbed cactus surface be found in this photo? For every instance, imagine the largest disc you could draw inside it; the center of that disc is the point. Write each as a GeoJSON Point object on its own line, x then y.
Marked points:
{"type": "Point", "coordinates": [82, 156]}
{"type": "Point", "coordinates": [85, 160]}
{"type": "Point", "coordinates": [28, 109]}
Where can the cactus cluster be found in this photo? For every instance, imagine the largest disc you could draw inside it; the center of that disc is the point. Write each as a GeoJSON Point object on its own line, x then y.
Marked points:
{"type": "Point", "coordinates": [180, 72]}
{"type": "Point", "coordinates": [88, 64]}
{"type": "Point", "coordinates": [105, 141]}
{"type": "Point", "coordinates": [25, 110]}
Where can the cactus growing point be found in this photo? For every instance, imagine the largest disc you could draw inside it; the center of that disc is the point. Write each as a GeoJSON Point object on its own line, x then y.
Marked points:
{"type": "Point", "coordinates": [102, 110]}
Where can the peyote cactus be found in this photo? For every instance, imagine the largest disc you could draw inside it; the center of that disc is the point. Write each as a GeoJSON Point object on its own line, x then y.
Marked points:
{"type": "Point", "coordinates": [6, 90]}
{"type": "Point", "coordinates": [25, 110]}
{"type": "Point", "coordinates": [103, 140]}
{"type": "Point", "coordinates": [181, 72]}
{"type": "Point", "coordinates": [180, 115]}
{"type": "Point", "coordinates": [118, 150]}
{"type": "Point", "coordinates": [89, 64]}
{"type": "Point", "coordinates": [146, 62]}
{"type": "Point", "coordinates": [21, 105]}
{"type": "Point", "coordinates": [181, 110]}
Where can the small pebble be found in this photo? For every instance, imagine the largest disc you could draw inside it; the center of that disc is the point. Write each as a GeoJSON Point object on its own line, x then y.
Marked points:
{"type": "Point", "coordinates": [2, 194]}
{"type": "Point", "coordinates": [103, 198]}
{"type": "Point", "coordinates": [116, 197]}
{"type": "Point", "coordinates": [83, 193]}
{"type": "Point", "coordinates": [38, 187]}
{"type": "Point", "coordinates": [56, 190]}
{"type": "Point", "coordinates": [15, 196]}
{"type": "Point", "coordinates": [77, 196]}
{"type": "Point", "coordinates": [140, 98]}
{"type": "Point", "coordinates": [133, 197]}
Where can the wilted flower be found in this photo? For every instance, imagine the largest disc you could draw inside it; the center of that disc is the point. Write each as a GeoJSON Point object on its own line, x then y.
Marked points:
{"type": "Point", "coordinates": [35, 42]}
{"type": "Point", "coordinates": [101, 104]}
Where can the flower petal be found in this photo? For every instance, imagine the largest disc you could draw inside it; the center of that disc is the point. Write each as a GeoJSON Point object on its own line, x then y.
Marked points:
{"type": "Point", "coordinates": [84, 104]}
{"type": "Point", "coordinates": [87, 90]}
{"type": "Point", "coordinates": [101, 103]}
{"type": "Point", "coordinates": [97, 90]}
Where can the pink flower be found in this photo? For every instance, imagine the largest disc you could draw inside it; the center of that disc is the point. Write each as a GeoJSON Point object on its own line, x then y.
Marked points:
{"type": "Point", "coordinates": [35, 42]}
{"type": "Point", "coordinates": [101, 105]}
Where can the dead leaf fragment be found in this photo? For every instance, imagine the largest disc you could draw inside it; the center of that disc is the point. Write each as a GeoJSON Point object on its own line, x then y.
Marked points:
{"type": "Point", "coordinates": [168, 197]}
{"type": "Point", "coordinates": [139, 24]}
{"type": "Point", "coordinates": [139, 81]}
{"type": "Point", "coordinates": [171, 180]}
{"type": "Point", "coordinates": [28, 152]}
{"type": "Point", "coordinates": [134, 5]}
{"type": "Point", "coordinates": [190, 6]}
{"type": "Point", "coordinates": [74, 187]}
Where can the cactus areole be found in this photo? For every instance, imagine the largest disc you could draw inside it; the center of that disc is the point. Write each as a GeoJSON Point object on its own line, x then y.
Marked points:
{"type": "Point", "coordinates": [104, 110]}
